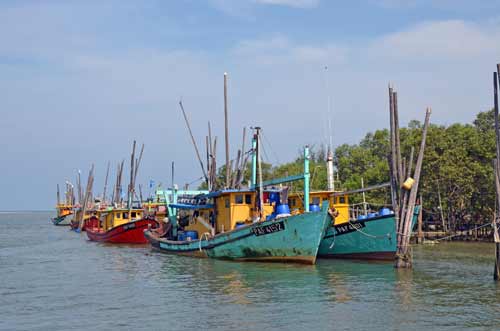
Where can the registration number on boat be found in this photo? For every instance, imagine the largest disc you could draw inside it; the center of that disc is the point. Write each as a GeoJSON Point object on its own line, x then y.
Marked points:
{"type": "Point", "coordinates": [349, 227]}
{"type": "Point", "coordinates": [129, 226]}
{"type": "Point", "coordinates": [267, 229]}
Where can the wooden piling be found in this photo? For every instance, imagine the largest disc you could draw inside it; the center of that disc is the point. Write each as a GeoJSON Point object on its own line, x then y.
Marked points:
{"type": "Point", "coordinates": [420, 233]}
{"type": "Point", "coordinates": [496, 168]}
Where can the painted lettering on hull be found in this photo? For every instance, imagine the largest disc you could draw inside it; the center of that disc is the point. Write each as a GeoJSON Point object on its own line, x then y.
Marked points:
{"type": "Point", "coordinates": [270, 228]}
{"type": "Point", "coordinates": [348, 227]}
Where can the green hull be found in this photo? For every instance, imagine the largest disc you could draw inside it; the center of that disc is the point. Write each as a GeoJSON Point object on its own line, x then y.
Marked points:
{"type": "Point", "coordinates": [290, 239]}
{"type": "Point", "coordinates": [61, 220]}
{"type": "Point", "coordinates": [373, 239]}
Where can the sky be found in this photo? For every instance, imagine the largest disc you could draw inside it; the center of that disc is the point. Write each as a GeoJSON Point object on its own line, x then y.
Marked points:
{"type": "Point", "coordinates": [80, 80]}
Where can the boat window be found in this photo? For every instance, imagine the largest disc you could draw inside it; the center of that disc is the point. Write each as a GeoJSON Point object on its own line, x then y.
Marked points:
{"type": "Point", "coordinates": [238, 198]}
{"type": "Point", "coordinates": [118, 215]}
{"type": "Point", "coordinates": [291, 202]}
{"type": "Point", "coordinates": [342, 199]}
{"type": "Point", "coordinates": [125, 215]}
{"type": "Point", "coordinates": [133, 214]}
{"type": "Point", "coordinates": [226, 201]}
{"type": "Point", "coordinates": [248, 199]}
{"type": "Point", "coordinates": [315, 201]}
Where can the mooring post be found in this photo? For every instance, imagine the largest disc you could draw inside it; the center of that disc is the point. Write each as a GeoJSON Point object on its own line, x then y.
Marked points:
{"type": "Point", "coordinates": [420, 233]}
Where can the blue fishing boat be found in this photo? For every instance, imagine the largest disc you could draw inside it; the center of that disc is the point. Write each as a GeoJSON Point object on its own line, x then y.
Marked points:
{"type": "Point", "coordinates": [244, 225]}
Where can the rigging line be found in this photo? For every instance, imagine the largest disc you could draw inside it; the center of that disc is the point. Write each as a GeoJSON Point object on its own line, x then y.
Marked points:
{"type": "Point", "coordinates": [264, 150]}
{"type": "Point", "coordinates": [270, 147]}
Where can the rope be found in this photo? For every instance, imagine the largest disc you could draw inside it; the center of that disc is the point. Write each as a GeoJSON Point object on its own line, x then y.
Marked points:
{"type": "Point", "coordinates": [456, 235]}
{"type": "Point", "coordinates": [270, 147]}
{"type": "Point", "coordinates": [205, 234]}
{"type": "Point", "coordinates": [370, 235]}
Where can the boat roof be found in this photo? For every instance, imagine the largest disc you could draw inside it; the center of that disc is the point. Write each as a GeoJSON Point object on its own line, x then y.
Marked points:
{"type": "Point", "coordinates": [219, 193]}
{"type": "Point", "coordinates": [191, 206]}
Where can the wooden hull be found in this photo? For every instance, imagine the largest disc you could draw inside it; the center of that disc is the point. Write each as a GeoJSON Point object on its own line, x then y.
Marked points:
{"type": "Point", "coordinates": [291, 239]}
{"type": "Point", "coordinates": [128, 233]}
{"type": "Point", "coordinates": [61, 220]}
{"type": "Point", "coordinates": [91, 222]}
{"type": "Point", "coordinates": [369, 239]}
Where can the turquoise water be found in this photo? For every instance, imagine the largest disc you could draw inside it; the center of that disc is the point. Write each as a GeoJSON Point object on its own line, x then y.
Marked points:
{"type": "Point", "coordinates": [54, 279]}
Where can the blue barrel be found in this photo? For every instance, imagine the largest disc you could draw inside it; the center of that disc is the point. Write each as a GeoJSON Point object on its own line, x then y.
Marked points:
{"type": "Point", "coordinates": [361, 217]}
{"type": "Point", "coordinates": [282, 209]}
{"type": "Point", "coordinates": [384, 211]}
{"type": "Point", "coordinates": [181, 236]}
{"type": "Point", "coordinates": [371, 215]}
{"type": "Point", "coordinates": [314, 208]}
{"type": "Point", "coordinates": [191, 235]}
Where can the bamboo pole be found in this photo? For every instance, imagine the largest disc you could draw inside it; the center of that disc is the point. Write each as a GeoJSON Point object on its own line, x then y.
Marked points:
{"type": "Point", "coordinates": [420, 233]}
{"type": "Point", "coordinates": [215, 184]}
{"type": "Point", "coordinates": [131, 183]}
{"type": "Point", "coordinates": [403, 253]}
{"type": "Point", "coordinates": [209, 182]}
{"type": "Point", "coordinates": [88, 193]}
{"type": "Point", "coordinates": [226, 130]}
{"type": "Point", "coordinates": [194, 141]}
{"type": "Point", "coordinates": [105, 184]}
{"type": "Point", "coordinates": [496, 167]}
{"type": "Point", "coordinates": [393, 167]}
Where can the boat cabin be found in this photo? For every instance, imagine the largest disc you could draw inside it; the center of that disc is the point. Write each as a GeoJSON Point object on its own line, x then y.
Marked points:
{"type": "Point", "coordinates": [64, 210]}
{"type": "Point", "coordinates": [337, 202]}
{"type": "Point", "coordinates": [226, 211]}
{"type": "Point", "coordinates": [114, 217]}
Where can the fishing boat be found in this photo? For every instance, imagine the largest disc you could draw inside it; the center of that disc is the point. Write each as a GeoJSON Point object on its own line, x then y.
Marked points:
{"type": "Point", "coordinates": [353, 233]}
{"type": "Point", "coordinates": [119, 226]}
{"type": "Point", "coordinates": [64, 212]}
{"type": "Point", "coordinates": [245, 224]}
{"type": "Point", "coordinates": [64, 209]}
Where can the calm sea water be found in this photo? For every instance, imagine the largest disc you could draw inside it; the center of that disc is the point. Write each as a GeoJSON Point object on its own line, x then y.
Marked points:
{"type": "Point", "coordinates": [54, 279]}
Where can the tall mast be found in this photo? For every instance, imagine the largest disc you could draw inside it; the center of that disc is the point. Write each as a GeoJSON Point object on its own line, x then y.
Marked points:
{"type": "Point", "coordinates": [105, 184]}
{"type": "Point", "coordinates": [226, 128]}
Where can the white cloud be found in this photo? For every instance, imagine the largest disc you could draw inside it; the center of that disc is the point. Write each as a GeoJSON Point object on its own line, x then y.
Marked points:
{"type": "Point", "coordinates": [435, 41]}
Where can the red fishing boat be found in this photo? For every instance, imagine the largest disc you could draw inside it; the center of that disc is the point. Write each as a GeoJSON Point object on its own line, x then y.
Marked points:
{"type": "Point", "coordinates": [120, 226]}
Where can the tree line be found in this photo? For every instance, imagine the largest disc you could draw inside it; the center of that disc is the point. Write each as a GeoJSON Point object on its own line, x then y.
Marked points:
{"type": "Point", "coordinates": [457, 174]}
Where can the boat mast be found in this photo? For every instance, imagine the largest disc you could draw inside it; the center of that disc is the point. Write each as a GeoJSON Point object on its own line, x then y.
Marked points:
{"type": "Point", "coordinates": [307, 176]}
{"type": "Point", "coordinates": [105, 184]}
{"type": "Point", "coordinates": [226, 132]}
{"type": "Point", "coordinates": [329, 171]}
{"type": "Point", "coordinates": [253, 182]}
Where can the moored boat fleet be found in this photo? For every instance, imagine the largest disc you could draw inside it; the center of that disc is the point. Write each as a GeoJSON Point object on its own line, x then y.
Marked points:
{"type": "Point", "coordinates": [261, 221]}
{"type": "Point", "coordinates": [239, 218]}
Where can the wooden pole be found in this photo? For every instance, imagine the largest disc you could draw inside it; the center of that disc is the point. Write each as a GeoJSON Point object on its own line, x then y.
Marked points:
{"type": "Point", "coordinates": [403, 253]}
{"type": "Point", "coordinates": [393, 168]}
{"type": "Point", "coordinates": [420, 233]}
{"type": "Point", "coordinates": [173, 169]}
{"type": "Point", "coordinates": [226, 131]}
{"type": "Point", "coordinates": [58, 195]}
{"type": "Point", "coordinates": [496, 167]}
{"type": "Point", "coordinates": [131, 183]}
{"type": "Point", "coordinates": [396, 132]}
{"type": "Point", "coordinates": [105, 184]}
{"type": "Point", "coordinates": [208, 163]}
{"type": "Point", "coordinates": [364, 196]}
{"type": "Point", "coordinates": [194, 142]}
{"type": "Point", "coordinates": [86, 199]}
